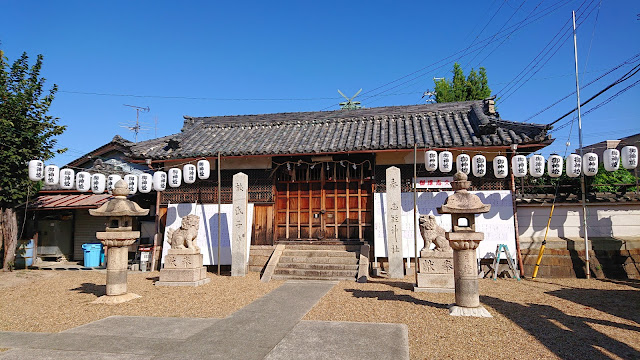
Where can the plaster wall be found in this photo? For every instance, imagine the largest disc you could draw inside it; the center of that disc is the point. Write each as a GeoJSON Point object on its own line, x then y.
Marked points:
{"type": "Point", "coordinates": [609, 226]}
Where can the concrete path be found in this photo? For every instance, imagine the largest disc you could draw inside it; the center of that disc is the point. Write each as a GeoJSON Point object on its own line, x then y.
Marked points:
{"type": "Point", "coordinates": [268, 328]}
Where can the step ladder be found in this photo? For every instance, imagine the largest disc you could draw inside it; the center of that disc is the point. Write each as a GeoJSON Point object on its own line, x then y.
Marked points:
{"type": "Point", "coordinates": [510, 262]}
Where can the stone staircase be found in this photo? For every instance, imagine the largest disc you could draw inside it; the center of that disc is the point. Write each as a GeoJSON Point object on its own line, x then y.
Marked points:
{"type": "Point", "coordinates": [318, 262]}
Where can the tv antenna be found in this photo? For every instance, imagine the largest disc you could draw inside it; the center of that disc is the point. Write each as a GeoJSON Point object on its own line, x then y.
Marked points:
{"type": "Point", "coordinates": [137, 127]}
{"type": "Point", "coordinates": [430, 96]}
{"type": "Point", "coordinates": [350, 104]}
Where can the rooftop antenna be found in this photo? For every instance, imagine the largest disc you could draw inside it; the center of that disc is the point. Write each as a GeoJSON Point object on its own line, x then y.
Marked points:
{"type": "Point", "coordinates": [431, 96]}
{"type": "Point", "coordinates": [350, 104]}
{"type": "Point", "coordinates": [136, 128]}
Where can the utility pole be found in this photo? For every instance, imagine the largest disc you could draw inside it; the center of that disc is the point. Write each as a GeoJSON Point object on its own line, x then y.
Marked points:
{"type": "Point", "coordinates": [582, 184]}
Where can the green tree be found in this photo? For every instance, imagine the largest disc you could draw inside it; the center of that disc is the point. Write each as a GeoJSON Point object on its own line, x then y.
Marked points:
{"type": "Point", "coordinates": [26, 133]}
{"type": "Point", "coordinates": [474, 87]}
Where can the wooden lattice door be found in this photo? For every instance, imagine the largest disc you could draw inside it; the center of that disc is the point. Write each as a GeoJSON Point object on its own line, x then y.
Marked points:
{"type": "Point", "coordinates": [326, 202]}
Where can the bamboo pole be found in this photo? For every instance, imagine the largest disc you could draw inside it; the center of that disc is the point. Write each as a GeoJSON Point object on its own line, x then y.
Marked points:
{"type": "Point", "coordinates": [544, 243]}
{"type": "Point", "coordinates": [415, 210]}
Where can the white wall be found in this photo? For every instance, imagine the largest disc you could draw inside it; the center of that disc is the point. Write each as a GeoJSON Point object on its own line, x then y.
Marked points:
{"type": "Point", "coordinates": [617, 221]}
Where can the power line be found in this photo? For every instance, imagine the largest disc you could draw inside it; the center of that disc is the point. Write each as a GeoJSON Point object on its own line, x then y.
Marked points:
{"type": "Point", "coordinates": [509, 30]}
{"type": "Point", "coordinates": [624, 77]}
{"type": "Point", "coordinates": [631, 60]}
{"type": "Point", "coordinates": [502, 27]}
{"type": "Point", "coordinates": [556, 44]}
{"type": "Point", "coordinates": [197, 98]}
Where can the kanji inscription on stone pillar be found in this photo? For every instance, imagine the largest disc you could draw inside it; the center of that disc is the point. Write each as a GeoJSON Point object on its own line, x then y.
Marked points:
{"type": "Point", "coordinates": [394, 224]}
{"type": "Point", "coordinates": [239, 221]}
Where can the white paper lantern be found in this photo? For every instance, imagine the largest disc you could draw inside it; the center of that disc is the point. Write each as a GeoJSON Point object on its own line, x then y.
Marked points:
{"type": "Point", "coordinates": [629, 157]}
{"type": "Point", "coordinates": [590, 164]}
{"type": "Point", "coordinates": [190, 173]}
{"type": "Point", "coordinates": [431, 160]}
{"type": "Point", "coordinates": [111, 181]}
{"type": "Point", "coordinates": [51, 175]}
{"type": "Point", "coordinates": [500, 167]}
{"type": "Point", "coordinates": [204, 169]}
{"type": "Point", "coordinates": [536, 165]}
{"type": "Point", "coordinates": [463, 164]}
{"type": "Point", "coordinates": [132, 183]}
{"type": "Point", "coordinates": [574, 165]}
{"type": "Point", "coordinates": [174, 177]}
{"type": "Point", "coordinates": [479, 165]}
{"type": "Point", "coordinates": [83, 181]}
{"type": "Point", "coordinates": [145, 181]}
{"type": "Point", "coordinates": [445, 161]}
{"type": "Point", "coordinates": [98, 183]}
{"type": "Point", "coordinates": [519, 165]}
{"type": "Point", "coordinates": [611, 159]}
{"type": "Point", "coordinates": [67, 177]}
{"type": "Point", "coordinates": [159, 181]}
{"type": "Point", "coordinates": [36, 170]}
{"type": "Point", "coordinates": [554, 166]}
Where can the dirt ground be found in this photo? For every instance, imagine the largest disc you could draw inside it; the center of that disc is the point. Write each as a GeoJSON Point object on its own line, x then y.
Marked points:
{"type": "Point", "coordinates": [532, 319]}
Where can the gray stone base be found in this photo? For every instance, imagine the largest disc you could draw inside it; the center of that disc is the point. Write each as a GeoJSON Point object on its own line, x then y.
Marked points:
{"type": "Point", "coordinates": [480, 311]}
{"type": "Point", "coordinates": [115, 299]}
{"type": "Point", "coordinates": [182, 283]}
{"type": "Point", "coordinates": [433, 290]}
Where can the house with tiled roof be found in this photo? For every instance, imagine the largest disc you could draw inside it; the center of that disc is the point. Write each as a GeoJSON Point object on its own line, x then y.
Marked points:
{"type": "Point", "coordinates": [314, 176]}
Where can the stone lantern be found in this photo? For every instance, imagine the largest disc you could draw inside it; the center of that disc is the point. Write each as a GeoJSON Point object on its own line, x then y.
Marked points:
{"type": "Point", "coordinates": [463, 206]}
{"type": "Point", "coordinates": [117, 237]}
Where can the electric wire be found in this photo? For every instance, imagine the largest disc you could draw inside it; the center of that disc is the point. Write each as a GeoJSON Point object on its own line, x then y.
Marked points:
{"type": "Point", "coordinates": [631, 60]}
{"type": "Point", "coordinates": [505, 93]}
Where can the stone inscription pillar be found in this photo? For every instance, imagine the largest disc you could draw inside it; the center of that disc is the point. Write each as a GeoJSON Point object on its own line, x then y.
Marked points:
{"type": "Point", "coordinates": [394, 224]}
{"type": "Point", "coordinates": [239, 220]}
{"type": "Point", "coordinates": [117, 259]}
{"type": "Point", "coordinates": [466, 278]}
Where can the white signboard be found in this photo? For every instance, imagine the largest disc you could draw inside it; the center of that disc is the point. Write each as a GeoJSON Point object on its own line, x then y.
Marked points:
{"type": "Point", "coordinates": [208, 229]}
{"type": "Point", "coordinates": [434, 182]}
{"type": "Point", "coordinates": [497, 224]}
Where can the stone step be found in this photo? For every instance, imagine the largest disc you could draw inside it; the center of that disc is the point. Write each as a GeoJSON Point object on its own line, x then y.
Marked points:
{"type": "Point", "coordinates": [313, 266]}
{"type": "Point", "coordinates": [319, 253]}
{"type": "Point", "coordinates": [329, 274]}
{"type": "Point", "coordinates": [318, 260]}
{"type": "Point", "coordinates": [302, 277]}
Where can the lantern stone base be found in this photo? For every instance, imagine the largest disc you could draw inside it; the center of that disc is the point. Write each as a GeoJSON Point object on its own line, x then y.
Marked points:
{"type": "Point", "coordinates": [183, 267]}
{"type": "Point", "coordinates": [115, 299]}
{"type": "Point", "coordinates": [435, 272]}
{"type": "Point", "coordinates": [480, 311]}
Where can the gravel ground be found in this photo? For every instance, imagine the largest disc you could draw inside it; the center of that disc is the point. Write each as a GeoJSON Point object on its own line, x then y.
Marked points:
{"type": "Point", "coordinates": [532, 319]}
{"type": "Point", "coordinates": [53, 303]}
{"type": "Point", "coordinates": [540, 319]}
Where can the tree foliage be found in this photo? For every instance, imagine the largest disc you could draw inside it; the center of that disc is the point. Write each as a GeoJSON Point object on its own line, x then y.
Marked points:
{"type": "Point", "coordinates": [26, 132]}
{"type": "Point", "coordinates": [473, 87]}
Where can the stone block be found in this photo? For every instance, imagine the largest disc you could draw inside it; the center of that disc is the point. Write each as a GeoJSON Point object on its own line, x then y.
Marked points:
{"type": "Point", "coordinates": [439, 281]}
{"type": "Point", "coordinates": [182, 261]}
{"type": "Point", "coordinates": [436, 265]}
{"type": "Point", "coordinates": [183, 274]}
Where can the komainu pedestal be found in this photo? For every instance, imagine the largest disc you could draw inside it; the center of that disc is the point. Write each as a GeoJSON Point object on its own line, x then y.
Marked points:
{"type": "Point", "coordinates": [183, 267]}
{"type": "Point", "coordinates": [183, 262]}
{"type": "Point", "coordinates": [435, 267]}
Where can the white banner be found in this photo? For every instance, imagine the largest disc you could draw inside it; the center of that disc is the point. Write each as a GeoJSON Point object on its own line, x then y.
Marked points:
{"type": "Point", "coordinates": [497, 224]}
{"type": "Point", "coordinates": [208, 229]}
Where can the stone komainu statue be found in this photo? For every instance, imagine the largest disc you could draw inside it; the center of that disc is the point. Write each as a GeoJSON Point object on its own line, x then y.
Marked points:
{"type": "Point", "coordinates": [432, 233]}
{"type": "Point", "coordinates": [185, 236]}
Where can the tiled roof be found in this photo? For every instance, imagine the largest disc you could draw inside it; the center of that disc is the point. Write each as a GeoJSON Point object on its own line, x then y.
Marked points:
{"type": "Point", "coordinates": [461, 124]}
{"type": "Point", "coordinates": [68, 201]}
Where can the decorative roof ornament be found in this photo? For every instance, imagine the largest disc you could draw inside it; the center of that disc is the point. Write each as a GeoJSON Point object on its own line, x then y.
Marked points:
{"type": "Point", "coordinates": [350, 104]}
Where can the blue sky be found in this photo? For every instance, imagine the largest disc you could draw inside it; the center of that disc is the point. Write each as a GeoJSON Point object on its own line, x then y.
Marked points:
{"type": "Point", "coordinates": [200, 58]}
